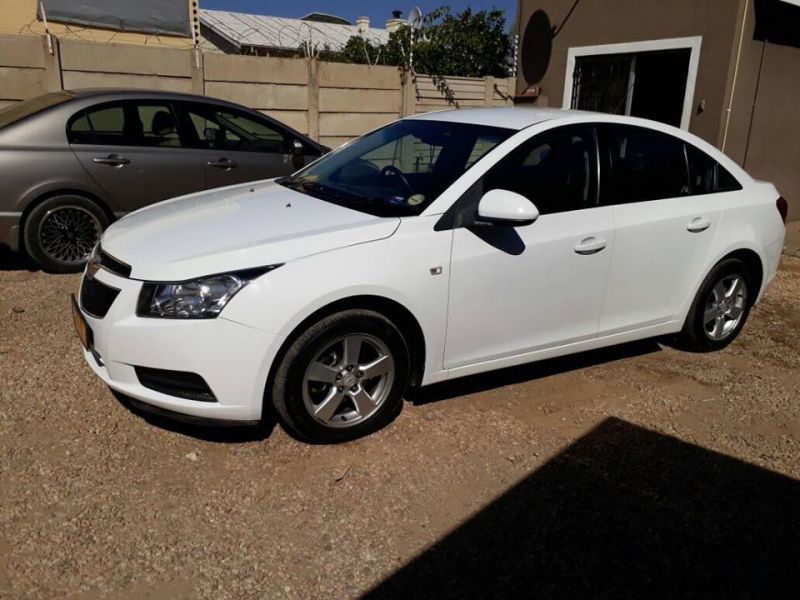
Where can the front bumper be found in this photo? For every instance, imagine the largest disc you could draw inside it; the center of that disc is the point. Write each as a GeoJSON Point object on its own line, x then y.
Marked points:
{"type": "Point", "coordinates": [233, 359]}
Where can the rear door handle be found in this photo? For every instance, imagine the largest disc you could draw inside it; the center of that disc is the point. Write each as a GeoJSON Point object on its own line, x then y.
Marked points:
{"type": "Point", "coordinates": [698, 224]}
{"type": "Point", "coordinates": [222, 163]}
{"type": "Point", "coordinates": [112, 160]}
{"type": "Point", "coordinates": [590, 245]}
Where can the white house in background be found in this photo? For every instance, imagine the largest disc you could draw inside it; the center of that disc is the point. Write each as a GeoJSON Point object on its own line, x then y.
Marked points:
{"type": "Point", "coordinates": [241, 33]}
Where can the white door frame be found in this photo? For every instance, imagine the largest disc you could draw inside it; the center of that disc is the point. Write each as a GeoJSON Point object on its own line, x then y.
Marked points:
{"type": "Point", "coordinates": [693, 43]}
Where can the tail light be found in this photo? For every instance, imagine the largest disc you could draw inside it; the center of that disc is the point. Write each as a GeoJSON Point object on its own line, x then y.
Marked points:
{"type": "Point", "coordinates": [783, 207]}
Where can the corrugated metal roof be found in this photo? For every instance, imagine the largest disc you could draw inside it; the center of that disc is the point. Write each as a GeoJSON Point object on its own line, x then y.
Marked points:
{"type": "Point", "coordinates": [242, 29]}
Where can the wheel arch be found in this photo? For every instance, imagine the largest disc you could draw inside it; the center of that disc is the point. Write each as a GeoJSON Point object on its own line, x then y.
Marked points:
{"type": "Point", "coordinates": [753, 261]}
{"type": "Point", "coordinates": [747, 254]}
{"type": "Point", "coordinates": [401, 316]}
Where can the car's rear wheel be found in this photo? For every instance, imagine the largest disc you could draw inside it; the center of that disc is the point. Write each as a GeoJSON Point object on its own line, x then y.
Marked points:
{"type": "Point", "coordinates": [343, 378]}
{"type": "Point", "coordinates": [720, 308]}
{"type": "Point", "coordinates": [60, 232]}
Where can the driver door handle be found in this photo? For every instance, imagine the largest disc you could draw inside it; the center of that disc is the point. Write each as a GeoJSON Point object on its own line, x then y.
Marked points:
{"type": "Point", "coordinates": [698, 224]}
{"type": "Point", "coordinates": [112, 160]}
{"type": "Point", "coordinates": [222, 163]}
{"type": "Point", "coordinates": [590, 245]}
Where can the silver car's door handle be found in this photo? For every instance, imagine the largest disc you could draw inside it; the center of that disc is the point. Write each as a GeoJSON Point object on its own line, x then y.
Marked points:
{"type": "Point", "coordinates": [698, 224]}
{"type": "Point", "coordinates": [112, 160]}
{"type": "Point", "coordinates": [222, 163]}
{"type": "Point", "coordinates": [590, 245]}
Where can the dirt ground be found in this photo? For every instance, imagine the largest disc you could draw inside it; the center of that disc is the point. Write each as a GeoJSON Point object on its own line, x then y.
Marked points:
{"type": "Point", "coordinates": [638, 471]}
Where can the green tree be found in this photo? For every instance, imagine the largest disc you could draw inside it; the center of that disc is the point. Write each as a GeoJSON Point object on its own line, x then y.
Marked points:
{"type": "Point", "coordinates": [469, 44]}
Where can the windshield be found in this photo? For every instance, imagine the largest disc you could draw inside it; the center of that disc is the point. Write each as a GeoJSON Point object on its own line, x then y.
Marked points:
{"type": "Point", "coordinates": [20, 110]}
{"type": "Point", "coordinates": [400, 169]}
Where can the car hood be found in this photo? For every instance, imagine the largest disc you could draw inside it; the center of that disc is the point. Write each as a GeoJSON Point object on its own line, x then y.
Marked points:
{"type": "Point", "coordinates": [233, 228]}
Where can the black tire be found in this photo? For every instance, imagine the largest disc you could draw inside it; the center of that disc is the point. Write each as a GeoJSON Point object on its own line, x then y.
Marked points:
{"type": "Point", "coordinates": [695, 336]}
{"type": "Point", "coordinates": [83, 219]}
{"type": "Point", "coordinates": [288, 382]}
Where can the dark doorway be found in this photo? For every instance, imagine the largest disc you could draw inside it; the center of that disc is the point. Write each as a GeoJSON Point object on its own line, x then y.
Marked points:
{"type": "Point", "coordinates": [650, 84]}
{"type": "Point", "coordinates": [660, 85]}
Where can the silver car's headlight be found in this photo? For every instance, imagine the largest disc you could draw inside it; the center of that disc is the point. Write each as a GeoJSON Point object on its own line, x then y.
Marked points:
{"type": "Point", "coordinates": [201, 298]}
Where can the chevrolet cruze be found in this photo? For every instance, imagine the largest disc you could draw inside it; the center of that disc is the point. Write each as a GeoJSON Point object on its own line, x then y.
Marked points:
{"type": "Point", "coordinates": [439, 246]}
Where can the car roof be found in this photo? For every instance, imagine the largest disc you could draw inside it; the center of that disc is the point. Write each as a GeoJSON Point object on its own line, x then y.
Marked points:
{"type": "Point", "coordinates": [137, 93]}
{"type": "Point", "coordinates": [511, 117]}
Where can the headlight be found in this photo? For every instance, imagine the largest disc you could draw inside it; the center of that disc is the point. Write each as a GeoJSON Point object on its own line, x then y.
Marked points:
{"type": "Point", "coordinates": [201, 298]}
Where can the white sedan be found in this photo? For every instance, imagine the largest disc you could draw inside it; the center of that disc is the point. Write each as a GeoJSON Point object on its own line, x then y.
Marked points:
{"type": "Point", "coordinates": [439, 246]}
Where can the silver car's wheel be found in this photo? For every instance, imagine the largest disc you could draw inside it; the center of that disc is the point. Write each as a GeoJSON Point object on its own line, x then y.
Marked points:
{"type": "Point", "coordinates": [348, 380]}
{"type": "Point", "coordinates": [60, 231]}
{"type": "Point", "coordinates": [725, 307]}
{"type": "Point", "coordinates": [68, 233]}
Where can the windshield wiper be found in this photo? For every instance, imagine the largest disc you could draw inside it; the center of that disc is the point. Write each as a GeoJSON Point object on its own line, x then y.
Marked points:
{"type": "Point", "coordinates": [326, 192]}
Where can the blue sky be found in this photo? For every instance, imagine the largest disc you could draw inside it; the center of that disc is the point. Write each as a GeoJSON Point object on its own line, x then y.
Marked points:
{"type": "Point", "coordinates": [377, 10]}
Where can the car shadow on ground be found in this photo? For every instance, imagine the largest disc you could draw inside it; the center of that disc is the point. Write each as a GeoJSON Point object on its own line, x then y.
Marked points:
{"type": "Point", "coordinates": [530, 371]}
{"type": "Point", "coordinates": [624, 512]}
{"type": "Point", "coordinates": [16, 261]}
{"type": "Point", "coordinates": [209, 432]}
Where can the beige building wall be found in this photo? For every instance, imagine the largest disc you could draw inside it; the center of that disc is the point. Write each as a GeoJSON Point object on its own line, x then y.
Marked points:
{"type": "Point", "coordinates": [749, 96]}
{"type": "Point", "coordinates": [19, 17]}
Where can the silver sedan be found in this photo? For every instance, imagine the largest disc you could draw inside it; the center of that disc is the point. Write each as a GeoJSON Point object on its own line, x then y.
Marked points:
{"type": "Point", "coordinates": [72, 162]}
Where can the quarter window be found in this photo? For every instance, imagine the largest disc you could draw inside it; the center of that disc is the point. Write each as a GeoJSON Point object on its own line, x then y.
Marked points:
{"type": "Point", "coordinates": [556, 170]}
{"type": "Point", "coordinates": [707, 176]}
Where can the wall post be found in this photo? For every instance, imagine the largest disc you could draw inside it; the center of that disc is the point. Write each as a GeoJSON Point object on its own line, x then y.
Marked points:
{"type": "Point", "coordinates": [409, 97]}
{"type": "Point", "coordinates": [489, 86]}
{"type": "Point", "coordinates": [52, 64]}
{"type": "Point", "coordinates": [313, 98]}
{"type": "Point", "coordinates": [198, 71]}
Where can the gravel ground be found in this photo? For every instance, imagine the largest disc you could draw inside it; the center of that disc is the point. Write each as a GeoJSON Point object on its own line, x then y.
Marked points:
{"type": "Point", "coordinates": [635, 471]}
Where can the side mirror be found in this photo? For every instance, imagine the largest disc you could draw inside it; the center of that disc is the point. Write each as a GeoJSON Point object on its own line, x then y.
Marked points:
{"type": "Point", "coordinates": [502, 207]}
{"type": "Point", "coordinates": [296, 152]}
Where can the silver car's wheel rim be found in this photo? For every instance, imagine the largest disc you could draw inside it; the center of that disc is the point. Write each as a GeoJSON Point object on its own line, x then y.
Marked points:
{"type": "Point", "coordinates": [725, 307]}
{"type": "Point", "coordinates": [67, 234]}
{"type": "Point", "coordinates": [348, 381]}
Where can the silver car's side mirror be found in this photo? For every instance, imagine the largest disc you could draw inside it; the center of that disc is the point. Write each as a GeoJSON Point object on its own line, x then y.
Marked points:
{"type": "Point", "coordinates": [507, 208]}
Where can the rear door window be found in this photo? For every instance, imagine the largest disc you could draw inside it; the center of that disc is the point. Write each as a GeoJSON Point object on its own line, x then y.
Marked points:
{"type": "Point", "coordinates": [643, 165]}
{"type": "Point", "coordinates": [126, 123]}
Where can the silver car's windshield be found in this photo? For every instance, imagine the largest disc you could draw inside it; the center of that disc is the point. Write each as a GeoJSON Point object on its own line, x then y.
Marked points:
{"type": "Point", "coordinates": [400, 169]}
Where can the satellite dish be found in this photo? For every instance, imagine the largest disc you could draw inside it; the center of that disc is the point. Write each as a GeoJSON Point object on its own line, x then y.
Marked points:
{"type": "Point", "coordinates": [537, 46]}
{"type": "Point", "coordinates": [415, 18]}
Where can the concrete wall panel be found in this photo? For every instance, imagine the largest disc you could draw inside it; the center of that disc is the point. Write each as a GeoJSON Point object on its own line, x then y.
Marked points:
{"type": "Point", "coordinates": [368, 101]}
{"type": "Point", "coordinates": [256, 69]}
{"type": "Point", "coordinates": [121, 58]}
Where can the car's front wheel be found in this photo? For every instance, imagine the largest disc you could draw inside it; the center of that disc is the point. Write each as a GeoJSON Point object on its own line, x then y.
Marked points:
{"type": "Point", "coordinates": [343, 378]}
{"type": "Point", "coordinates": [60, 232]}
{"type": "Point", "coordinates": [720, 308]}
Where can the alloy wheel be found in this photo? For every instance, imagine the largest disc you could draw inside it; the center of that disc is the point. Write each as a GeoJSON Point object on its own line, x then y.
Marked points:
{"type": "Point", "coordinates": [68, 234]}
{"type": "Point", "coordinates": [348, 380]}
{"type": "Point", "coordinates": [725, 307]}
